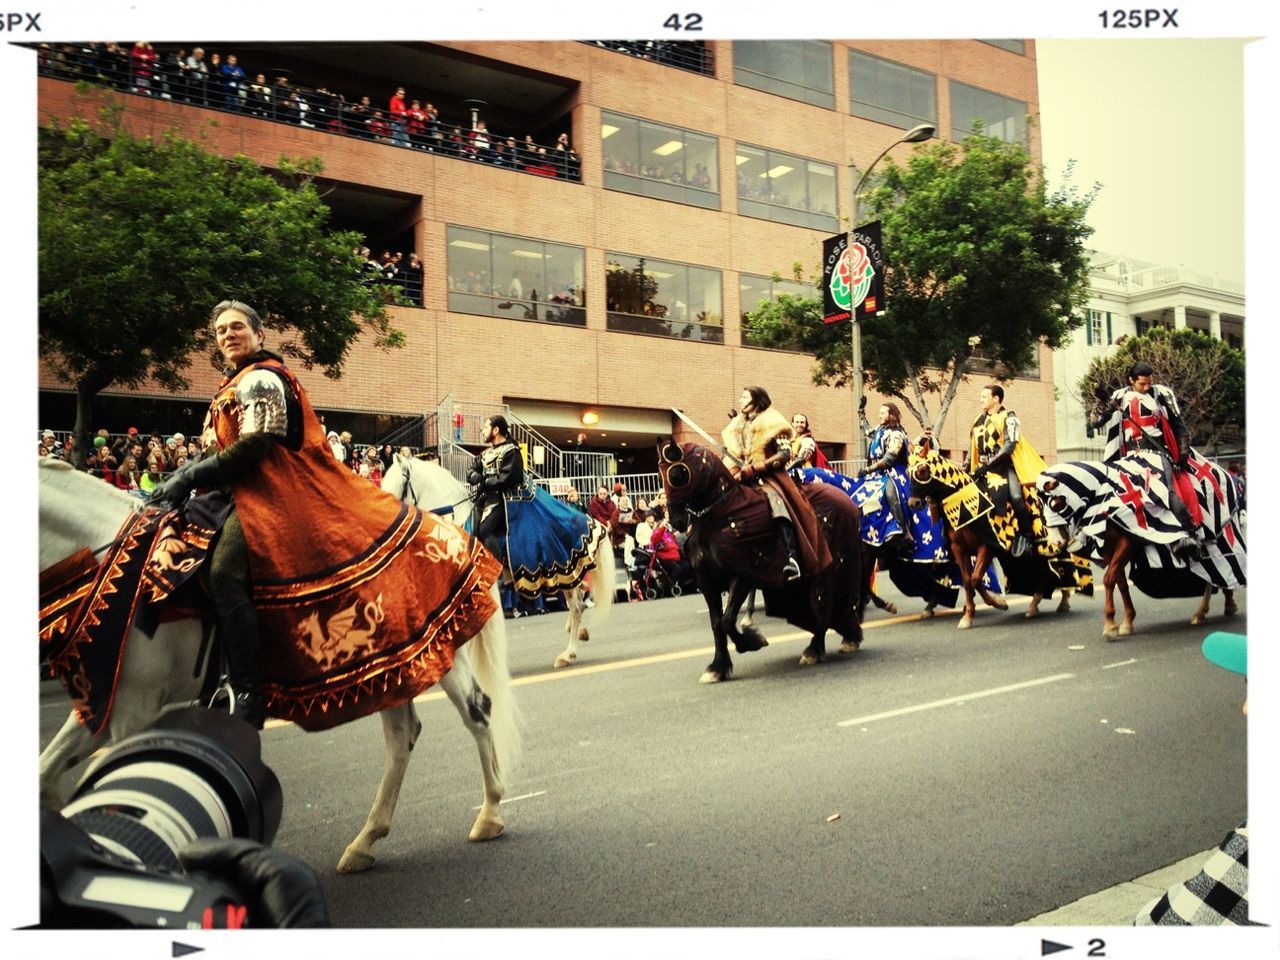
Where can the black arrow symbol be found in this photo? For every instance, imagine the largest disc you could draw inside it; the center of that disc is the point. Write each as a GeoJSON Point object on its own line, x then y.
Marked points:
{"type": "Point", "coordinates": [182, 949]}
{"type": "Point", "coordinates": [1048, 946]}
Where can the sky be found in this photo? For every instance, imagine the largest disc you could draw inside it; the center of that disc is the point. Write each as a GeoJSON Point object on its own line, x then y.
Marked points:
{"type": "Point", "coordinates": [1160, 125]}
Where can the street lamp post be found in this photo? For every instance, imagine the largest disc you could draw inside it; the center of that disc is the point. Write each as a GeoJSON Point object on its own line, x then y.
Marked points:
{"type": "Point", "coordinates": [916, 134]}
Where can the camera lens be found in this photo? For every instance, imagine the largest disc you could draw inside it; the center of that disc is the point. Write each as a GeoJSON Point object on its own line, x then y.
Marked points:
{"type": "Point", "coordinates": [195, 773]}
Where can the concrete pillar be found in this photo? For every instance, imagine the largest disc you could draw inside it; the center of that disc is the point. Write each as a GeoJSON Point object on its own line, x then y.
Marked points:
{"type": "Point", "coordinates": [1179, 317]}
{"type": "Point", "coordinates": [1215, 325]}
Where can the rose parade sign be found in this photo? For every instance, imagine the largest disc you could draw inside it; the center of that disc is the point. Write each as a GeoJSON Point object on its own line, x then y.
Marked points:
{"type": "Point", "coordinates": [853, 275]}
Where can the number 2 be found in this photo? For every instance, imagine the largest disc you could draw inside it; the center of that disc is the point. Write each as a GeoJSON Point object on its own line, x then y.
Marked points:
{"type": "Point", "coordinates": [1097, 948]}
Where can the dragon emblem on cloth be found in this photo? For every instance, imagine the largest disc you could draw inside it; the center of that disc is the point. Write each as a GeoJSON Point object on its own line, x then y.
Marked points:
{"type": "Point", "coordinates": [338, 639]}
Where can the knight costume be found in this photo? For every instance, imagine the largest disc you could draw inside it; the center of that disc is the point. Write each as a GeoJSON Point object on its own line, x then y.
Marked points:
{"type": "Point", "coordinates": [998, 450]}
{"type": "Point", "coordinates": [762, 440]}
{"type": "Point", "coordinates": [349, 584]}
{"type": "Point", "coordinates": [495, 474]}
{"type": "Point", "coordinates": [886, 475]}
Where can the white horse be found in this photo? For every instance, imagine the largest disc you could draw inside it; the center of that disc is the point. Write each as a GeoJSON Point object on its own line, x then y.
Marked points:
{"type": "Point", "coordinates": [430, 486]}
{"type": "Point", "coordinates": [77, 510]}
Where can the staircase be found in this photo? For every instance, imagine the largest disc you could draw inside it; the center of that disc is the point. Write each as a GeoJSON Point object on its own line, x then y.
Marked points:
{"type": "Point", "coordinates": [456, 424]}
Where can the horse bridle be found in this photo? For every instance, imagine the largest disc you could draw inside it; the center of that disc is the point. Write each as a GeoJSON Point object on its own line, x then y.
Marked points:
{"type": "Point", "coordinates": [408, 496]}
{"type": "Point", "coordinates": [673, 456]}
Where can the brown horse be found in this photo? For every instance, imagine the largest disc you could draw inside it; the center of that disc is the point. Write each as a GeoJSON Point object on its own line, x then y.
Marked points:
{"type": "Point", "coordinates": [733, 546]}
{"type": "Point", "coordinates": [1077, 497]}
{"type": "Point", "coordinates": [967, 518]}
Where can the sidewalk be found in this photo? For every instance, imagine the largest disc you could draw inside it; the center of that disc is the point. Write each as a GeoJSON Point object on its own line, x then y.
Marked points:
{"type": "Point", "coordinates": [1118, 905]}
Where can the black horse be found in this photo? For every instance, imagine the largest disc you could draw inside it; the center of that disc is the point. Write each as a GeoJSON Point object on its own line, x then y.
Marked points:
{"type": "Point", "coordinates": [733, 546]}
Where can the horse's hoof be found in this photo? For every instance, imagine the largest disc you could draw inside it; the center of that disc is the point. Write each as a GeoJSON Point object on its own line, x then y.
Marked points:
{"type": "Point", "coordinates": [1032, 614]}
{"type": "Point", "coordinates": [1125, 630]}
{"type": "Point", "coordinates": [1064, 607]}
{"type": "Point", "coordinates": [566, 661]}
{"type": "Point", "coordinates": [848, 647]}
{"type": "Point", "coordinates": [485, 829]}
{"type": "Point", "coordinates": [808, 659]}
{"type": "Point", "coordinates": [927, 613]}
{"type": "Point", "coordinates": [710, 676]}
{"type": "Point", "coordinates": [1230, 610]}
{"type": "Point", "coordinates": [999, 603]}
{"type": "Point", "coordinates": [584, 635]}
{"type": "Point", "coordinates": [965, 623]}
{"type": "Point", "coordinates": [356, 861]}
{"type": "Point", "coordinates": [891, 608]}
{"type": "Point", "coordinates": [751, 641]}
{"type": "Point", "coordinates": [1197, 619]}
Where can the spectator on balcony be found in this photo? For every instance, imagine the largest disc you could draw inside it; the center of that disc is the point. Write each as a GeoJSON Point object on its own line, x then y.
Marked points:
{"type": "Point", "coordinates": [456, 144]}
{"type": "Point", "coordinates": [358, 116]}
{"type": "Point", "coordinates": [398, 114]}
{"type": "Point", "coordinates": [195, 74]}
{"type": "Point", "coordinates": [215, 77]}
{"type": "Point", "coordinates": [501, 156]}
{"type": "Point", "coordinates": [336, 111]}
{"type": "Point", "coordinates": [116, 66]}
{"type": "Point", "coordinates": [416, 126]}
{"type": "Point", "coordinates": [233, 83]}
{"type": "Point", "coordinates": [142, 60]}
{"type": "Point", "coordinates": [378, 128]}
{"type": "Point", "coordinates": [481, 145]}
{"type": "Point", "coordinates": [259, 102]}
{"type": "Point", "coordinates": [413, 279]}
{"type": "Point", "coordinates": [301, 109]}
{"type": "Point", "coordinates": [434, 135]}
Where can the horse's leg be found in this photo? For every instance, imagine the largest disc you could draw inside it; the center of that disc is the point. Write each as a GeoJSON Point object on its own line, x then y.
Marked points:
{"type": "Point", "coordinates": [1125, 551]}
{"type": "Point", "coordinates": [872, 564]}
{"type": "Point", "coordinates": [747, 639]}
{"type": "Point", "coordinates": [72, 744]}
{"type": "Point", "coordinates": [1064, 605]}
{"type": "Point", "coordinates": [475, 708]}
{"type": "Point", "coordinates": [961, 558]}
{"type": "Point", "coordinates": [1229, 608]}
{"type": "Point", "coordinates": [721, 666]}
{"type": "Point", "coordinates": [577, 605]}
{"type": "Point", "coordinates": [981, 563]}
{"type": "Point", "coordinates": [750, 619]}
{"type": "Point", "coordinates": [1202, 611]}
{"type": "Point", "coordinates": [1117, 554]}
{"type": "Point", "coordinates": [400, 728]}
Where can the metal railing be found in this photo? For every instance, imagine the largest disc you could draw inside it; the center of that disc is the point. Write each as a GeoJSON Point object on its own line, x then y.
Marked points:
{"type": "Point", "coordinates": [692, 55]}
{"type": "Point", "coordinates": [316, 108]}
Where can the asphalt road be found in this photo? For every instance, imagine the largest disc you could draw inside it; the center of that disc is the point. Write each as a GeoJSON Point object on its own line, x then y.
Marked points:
{"type": "Point", "coordinates": [936, 777]}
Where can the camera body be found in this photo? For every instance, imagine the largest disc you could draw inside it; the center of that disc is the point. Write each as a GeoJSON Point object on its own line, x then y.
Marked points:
{"type": "Point", "coordinates": [110, 857]}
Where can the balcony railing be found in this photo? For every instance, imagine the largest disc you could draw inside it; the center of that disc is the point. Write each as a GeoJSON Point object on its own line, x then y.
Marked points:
{"type": "Point", "coordinates": [694, 56]}
{"type": "Point", "coordinates": [315, 108]}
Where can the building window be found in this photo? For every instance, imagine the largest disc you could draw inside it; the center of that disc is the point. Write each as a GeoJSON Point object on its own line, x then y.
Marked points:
{"type": "Point", "coordinates": [495, 275]}
{"type": "Point", "coordinates": [796, 69]}
{"type": "Point", "coordinates": [663, 298]}
{"type": "Point", "coordinates": [786, 188]}
{"type": "Point", "coordinates": [655, 160]}
{"type": "Point", "coordinates": [754, 290]}
{"type": "Point", "coordinates": [892, 93]}
{"type": "Point", "coordinates": [1001, 116]}
{"type": "Point", "coordinates": [1095, 328]}
{"type": "Point", "coordinates": [1013, 46]}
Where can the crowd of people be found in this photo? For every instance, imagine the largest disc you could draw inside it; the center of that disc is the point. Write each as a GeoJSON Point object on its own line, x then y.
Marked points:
{"type": "Point", "coordinates": [394, 269]}
{"type": "Point", "coordinates": [220, 81]}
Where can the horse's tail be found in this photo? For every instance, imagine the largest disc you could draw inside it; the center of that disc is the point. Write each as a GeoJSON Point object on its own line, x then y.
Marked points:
{"type": "Point", "coordinates": [489, 661]}
{"type": "Point", "coordinates": [604, 578]}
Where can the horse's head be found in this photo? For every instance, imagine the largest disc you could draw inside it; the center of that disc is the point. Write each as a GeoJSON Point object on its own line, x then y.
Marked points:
{"type": "Point", "coordinates": [77, 510]}
{"type": "Point", "coordinates": [427, 486]}
{"type": "Point", "coordinates": [693, 478]}
{"type": "Point", "coordinates": [932, 475]}
{"type": "Point", "coordinates": [1061, 507]}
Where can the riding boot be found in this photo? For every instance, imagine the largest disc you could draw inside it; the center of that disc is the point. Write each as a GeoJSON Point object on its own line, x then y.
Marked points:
{"type": "Point", "coordinates": [904, 541]}
{"type": "Point", "coordinates": [791, 569]}
{"type": "Point", "coordinates": [1022, 542]}
{"type": "Point", "coordinates": [242, 646]}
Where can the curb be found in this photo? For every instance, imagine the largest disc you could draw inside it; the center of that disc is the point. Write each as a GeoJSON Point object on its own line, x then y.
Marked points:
{"type": "Point", "coordinates": [1118, 906]}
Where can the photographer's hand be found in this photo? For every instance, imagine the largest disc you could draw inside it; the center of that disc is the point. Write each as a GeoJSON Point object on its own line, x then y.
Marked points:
{"type": "Point", "coordinates": [280, 891]}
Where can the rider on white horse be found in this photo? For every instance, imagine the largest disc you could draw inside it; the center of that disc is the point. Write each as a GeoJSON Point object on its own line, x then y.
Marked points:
{"type": "Point", "coordinates": [495, 473]}
{"type": "Point", "coordinates": [379, 579]}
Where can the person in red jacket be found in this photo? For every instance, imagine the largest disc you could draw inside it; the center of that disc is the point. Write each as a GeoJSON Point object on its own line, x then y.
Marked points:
{"type": "Point", "coordinates": [399, 117]}
{"type": "Point", "coordinates": [663, 543]}
{"type": "Point", "coordinates": [603, 508]}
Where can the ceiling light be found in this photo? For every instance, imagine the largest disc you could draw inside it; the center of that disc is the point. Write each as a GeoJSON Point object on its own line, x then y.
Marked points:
{"type": "Point", "coordinates": [468, 245]}
{"type": "Point", "coordinates": [529, 254]}
{"type": "Point", "coordinates": [780, 170]}
{"type": "Point", "coordinates": [608, 130]}
{"type": "Point", "coordinates": [742, 159]}
{"type": "Point", "coordinates": [668, 148]}
{"type": "Point", "coordinates": [590, 417]}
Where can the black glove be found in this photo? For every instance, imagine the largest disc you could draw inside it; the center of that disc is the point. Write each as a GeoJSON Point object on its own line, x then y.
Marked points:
{"type": "Point", "coordinates": [862, 404]}
{"type": "Point", "coordinates": [863, 471]}
{"type": "Point", "coordinates": [1102, 393]}
{"type": "Point", "coordinates": [205, 473]}
{"type": "Point", "coordinates": [279, 891]}
{"type": "Point", "coordinates": [474, 478]}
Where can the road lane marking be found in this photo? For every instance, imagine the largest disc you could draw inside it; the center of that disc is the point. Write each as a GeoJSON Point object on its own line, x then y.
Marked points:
{"type": "Point", "coordinates": [1122, 663]}
{"type": "Point", "coordinates": [524, 796]}
{"type": "Point", "coordinates": [963, 698]}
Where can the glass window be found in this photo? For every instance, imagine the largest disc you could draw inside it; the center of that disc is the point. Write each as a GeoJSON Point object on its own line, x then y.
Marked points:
{"type": "Point", "coordinates": [1001, 116]}
{"type": "Point", "coordinates": [1013, 46]}
{"type": "Point", "coordinates": [496, 275]}
{"type": "Point", "coordinates": [754, 290]}
{"type": "Point", "coordinates": [786, 188]}
{"type": "Point", "coordinates": [798, 69]}
{"type": "Point", "coordinates": [889, 92]}
{"type": "Point", "coordinates": [655, 160]}
{"type": "Point", "coordinates": [1095, 328]}
{"type": "Point", "coordinates": [663, 299]}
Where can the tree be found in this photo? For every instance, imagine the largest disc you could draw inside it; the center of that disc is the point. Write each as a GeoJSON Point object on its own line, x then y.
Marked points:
{"type": "Point", "coordinates": [140, 237]}
{"type": "Point", "coordinates": [1206, 374]}
{"type": "Point", "coordinates": [982, 261]}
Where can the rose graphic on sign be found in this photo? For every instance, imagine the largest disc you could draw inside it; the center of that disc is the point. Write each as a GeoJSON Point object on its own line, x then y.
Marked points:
{"type": "Point", "coordinates": [851, 279]}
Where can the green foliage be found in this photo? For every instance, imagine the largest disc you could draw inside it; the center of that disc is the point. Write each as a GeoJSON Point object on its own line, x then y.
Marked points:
{"type": "Point", "coordinates": [140, 237]}
{"type": "Point", "coordinates": [1206, 374]}
{"type": "Point", "coordinates": [981, 257]}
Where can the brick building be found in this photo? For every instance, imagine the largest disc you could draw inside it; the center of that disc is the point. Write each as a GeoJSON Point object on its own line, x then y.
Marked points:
{"type": "Point", "coordinates": [704, 167]}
